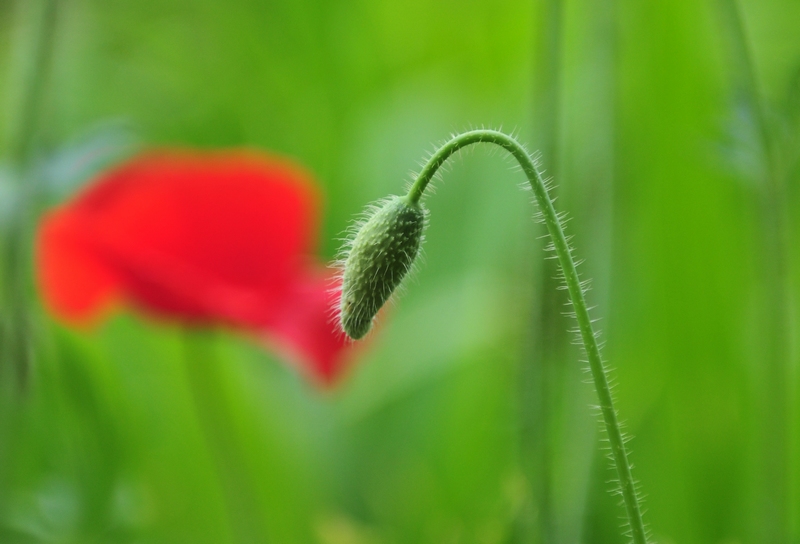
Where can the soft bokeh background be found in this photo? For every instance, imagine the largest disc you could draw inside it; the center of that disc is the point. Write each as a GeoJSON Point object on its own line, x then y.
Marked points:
{"type": "Point", "coordinates": [671, 130]}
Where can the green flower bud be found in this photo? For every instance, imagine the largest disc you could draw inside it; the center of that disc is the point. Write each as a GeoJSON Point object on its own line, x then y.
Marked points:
{"type": "Point", "coordinates": [381, 254]}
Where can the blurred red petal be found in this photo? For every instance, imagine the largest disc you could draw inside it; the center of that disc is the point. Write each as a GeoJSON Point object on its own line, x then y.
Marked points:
{"type": "Point", "coordinates": [190, 233]}
{"type": "Point", "coordinates": [308, 332]}
{"type": "Point", "coordinates": [203, 238]}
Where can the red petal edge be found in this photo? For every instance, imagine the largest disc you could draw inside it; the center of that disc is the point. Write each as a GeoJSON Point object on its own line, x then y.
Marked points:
{"type": "Point", "coordinates": [76, 287]}
{"type": "Point", "coordinates": [308, 332]}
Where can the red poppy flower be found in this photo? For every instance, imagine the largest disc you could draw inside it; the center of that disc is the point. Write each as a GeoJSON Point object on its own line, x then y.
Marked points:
{"type": "Point", "coordinates": [213, 238]}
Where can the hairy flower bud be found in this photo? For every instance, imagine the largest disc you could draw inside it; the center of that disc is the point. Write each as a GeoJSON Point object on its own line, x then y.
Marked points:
{"type": "Point", "coordinates": [381, 254]}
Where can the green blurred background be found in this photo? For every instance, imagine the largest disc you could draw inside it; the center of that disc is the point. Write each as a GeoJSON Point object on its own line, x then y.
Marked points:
{"type": "Point", "coordinates": [671, 129]}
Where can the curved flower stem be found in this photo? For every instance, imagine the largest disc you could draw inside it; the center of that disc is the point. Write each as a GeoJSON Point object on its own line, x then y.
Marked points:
{"type": "Point", "coordinates": [563, 251]}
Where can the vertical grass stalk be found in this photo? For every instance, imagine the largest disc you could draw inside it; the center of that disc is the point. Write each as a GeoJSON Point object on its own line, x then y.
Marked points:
{"type": "Point", "coordinates": [777, 517]}
{"type": "Point", "coordinates": [540, 390]}
{"type": "Point", "coordinates": [206, 380]}
{"type": "Point", "coordinates": [15, 351]}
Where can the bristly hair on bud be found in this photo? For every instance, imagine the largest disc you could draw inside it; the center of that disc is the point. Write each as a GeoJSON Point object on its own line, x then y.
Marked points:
{"type": "Point", "coordinates": [380, 255]}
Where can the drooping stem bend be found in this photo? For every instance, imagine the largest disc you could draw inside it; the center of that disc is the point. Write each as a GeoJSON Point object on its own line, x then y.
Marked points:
{"type": "Point", "coordinates": [564, 254]}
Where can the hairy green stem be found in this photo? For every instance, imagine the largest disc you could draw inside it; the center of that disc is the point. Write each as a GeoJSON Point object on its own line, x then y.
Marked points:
{"type": "Point", "coordinates": [576, 293]}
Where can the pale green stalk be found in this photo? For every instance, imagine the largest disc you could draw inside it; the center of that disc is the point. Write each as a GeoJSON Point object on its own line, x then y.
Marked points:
{"type": "Point", "coordinates": [15, 351]}
{"type": "Point", "coordinates": [576, 293]}
{"type": "Point", "coordinates": [539, 389]}
{"type": "Point", "coordinates": [205, 376]}
{"type": "Point", "coordinates": [777, 516]}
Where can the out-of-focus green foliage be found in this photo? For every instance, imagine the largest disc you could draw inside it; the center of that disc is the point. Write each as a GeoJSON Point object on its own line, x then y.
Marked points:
{"type": "Point", "coordinates": [454, 427]}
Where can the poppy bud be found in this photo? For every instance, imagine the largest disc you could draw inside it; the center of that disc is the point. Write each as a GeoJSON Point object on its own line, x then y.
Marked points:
{"type": "Point", "coordinates": [381, 254]}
